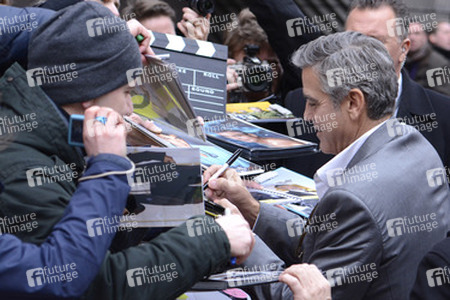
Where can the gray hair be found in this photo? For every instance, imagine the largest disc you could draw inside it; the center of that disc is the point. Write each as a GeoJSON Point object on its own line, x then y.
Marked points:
{"type": "Point", "coordinates": [400, 9]}
{"type": "Point", "coordinates": [356, 58]}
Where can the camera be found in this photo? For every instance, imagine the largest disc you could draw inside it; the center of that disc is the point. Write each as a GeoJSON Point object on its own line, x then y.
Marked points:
{"type": "Point", "coordinates": [254, 75]}
{"type": "Point", "coordinates": [75, 136]}
{"type": "Point", "coordinates": [202, 7]}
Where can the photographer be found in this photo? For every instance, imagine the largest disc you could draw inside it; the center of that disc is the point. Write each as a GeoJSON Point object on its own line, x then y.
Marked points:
{"type": "Point", "coordinates": [254, 69]}
{"type": "Point", "coordinates": [158, 16]}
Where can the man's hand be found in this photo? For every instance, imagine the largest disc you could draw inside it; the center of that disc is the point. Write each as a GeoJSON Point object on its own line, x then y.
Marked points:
{"type": "Point", "coordinates": [232, 76]}
{"type": "Point", "coordinates": [104, 138]}
{"type": "Point", "coordinates": [239, 235]}
{"type": "Point", "coordinates": [227, 204]}
{"type": "Point", "coordinates": [136, 139]}
{"type": "Point", "coordinates": [231, 187]}
{"type": "Point", "coordinates": [306, 282]}
{"type": "Point", "coordinates": [194, 26]}
{"type": "Point", "coordinates": [137, 28]}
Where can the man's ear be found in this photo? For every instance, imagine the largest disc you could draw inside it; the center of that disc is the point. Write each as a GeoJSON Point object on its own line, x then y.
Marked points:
{"type": "Point", "coordinates": [405, 46]}
{"type": "Point", "coordinates": [354, 104]}
{"type": "Point", "coordinates": [87, 104]}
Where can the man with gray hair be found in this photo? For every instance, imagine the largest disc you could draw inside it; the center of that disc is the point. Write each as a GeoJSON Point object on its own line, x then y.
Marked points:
{"type": "Point", "coordinates": [387, 21]}
{"type": "Point", "coordinates": [383, 198]}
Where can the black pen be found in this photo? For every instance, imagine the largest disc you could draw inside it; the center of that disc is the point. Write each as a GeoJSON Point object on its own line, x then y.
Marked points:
{"type": "Point", "coordinates": [229, 162]}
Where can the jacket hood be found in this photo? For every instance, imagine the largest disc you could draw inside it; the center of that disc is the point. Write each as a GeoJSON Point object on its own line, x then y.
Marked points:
{"type": "Point", "coordinates": [29, 118]}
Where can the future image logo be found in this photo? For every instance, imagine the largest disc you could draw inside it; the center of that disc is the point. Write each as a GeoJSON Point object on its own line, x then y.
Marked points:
{"type": "Point", "coordinates": [51, 74]}
{"type": "Point", "coordinates": [295, 227]}
{"type": "Point", "coordinates": [436, 177]}
{"type": "Point", "coordinates": [194, 127]}
{"type": "Point", "coordinates": [95, 27]}
{"type": "Point", "coordinates": [438, 76]}
{"type": "Point", "coordinates": [396, 27]}
{"type": "Point", "coordinates": [151, 274]}
{"type": "Point", "coordinates": [409, 225]}
{"type": "Point", "coordinates": [107, 25]}
{"type": "Point", "coordinates": [352, 274]}
{"type": "Point", "coordinates": [396, 128]}
{"type": "Point", "coordinates": [335, 77]}
{"type": "Point", "coordinates": [111, 225]}
{"type": "Point", "coordinates": [35, 277]}
{"type": "Point", "coordinates": [438, 276]}
{"type": "Point", "coordinates": [134, 77]}
{"type": "Point", "coordinates": [305, 25]}
{"type": "Point", "coordinates": [135, 277]}
{"type": "Point", "coordinates": [53, 174]}
{"type": "Point", "coordinates": [59, 274]}
{"type": "Point", "coordinates": [335, 177]}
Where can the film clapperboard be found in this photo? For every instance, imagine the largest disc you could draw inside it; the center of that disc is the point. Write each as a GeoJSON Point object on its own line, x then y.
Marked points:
{"type": "Point", "coordinates": [202, 71]}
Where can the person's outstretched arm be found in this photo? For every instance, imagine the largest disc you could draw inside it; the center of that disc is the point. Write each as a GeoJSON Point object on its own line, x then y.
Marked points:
{"type": "Point", "coordinates": [15, 34]}
{"type": "Point", "coordinates": [69, 243]}
{"type": "Point", "coordinates": [28, 268]}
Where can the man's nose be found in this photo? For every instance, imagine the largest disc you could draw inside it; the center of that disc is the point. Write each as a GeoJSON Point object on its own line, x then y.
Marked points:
{"type": "Point", "coordinates": [307, 114]}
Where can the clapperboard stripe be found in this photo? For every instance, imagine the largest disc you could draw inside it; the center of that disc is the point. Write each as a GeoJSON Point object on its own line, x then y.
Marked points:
{"type": "Point", "coordinates": [176, 43]}
{"type": "Point", "coordinates": [191, 46]}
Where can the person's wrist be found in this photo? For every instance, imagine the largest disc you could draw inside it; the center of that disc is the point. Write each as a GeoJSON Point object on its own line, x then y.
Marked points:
{"type": "Point", "coordinates": [250, 211]}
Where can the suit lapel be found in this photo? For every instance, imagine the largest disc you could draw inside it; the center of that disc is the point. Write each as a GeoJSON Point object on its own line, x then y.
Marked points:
{"type": "Point", "coordinates": [375, 141]}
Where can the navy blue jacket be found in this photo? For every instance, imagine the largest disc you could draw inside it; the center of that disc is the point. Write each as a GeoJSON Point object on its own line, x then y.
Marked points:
{"type": "Point", "coordinates": [69, 243]}
{"type": "Point", "coordinates": [15, 35]}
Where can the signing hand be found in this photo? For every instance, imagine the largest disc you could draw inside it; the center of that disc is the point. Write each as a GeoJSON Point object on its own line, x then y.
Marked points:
{"type": "Point", "coordinates": [231, 187]}
{"type": "Point", "coordinates": [306, 282]}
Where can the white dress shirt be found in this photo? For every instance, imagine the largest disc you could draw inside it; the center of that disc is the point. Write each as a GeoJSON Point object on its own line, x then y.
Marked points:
{"type": "Point", "coordinates": [341, 160]}
{"type": "Point", "coordinates": [397, 100]}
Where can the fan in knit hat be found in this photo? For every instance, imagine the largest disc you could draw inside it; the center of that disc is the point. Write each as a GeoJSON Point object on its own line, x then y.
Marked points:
{"type": "Point", "coordinates": [88, 39]}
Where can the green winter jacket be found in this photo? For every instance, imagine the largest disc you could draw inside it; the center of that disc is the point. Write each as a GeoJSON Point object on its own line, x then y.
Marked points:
{"type": "Point", "coordinates": [34, 135]}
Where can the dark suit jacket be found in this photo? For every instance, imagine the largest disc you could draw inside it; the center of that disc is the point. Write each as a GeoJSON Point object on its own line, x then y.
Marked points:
{"type": "Point", "coordinates": [365, 212]}
{"type": "Point", "coordinates": [435, 269]}
{"type": "Point", "coordinates": [430, 109]}
{"type": "Point", "coordinates": [418, 68]}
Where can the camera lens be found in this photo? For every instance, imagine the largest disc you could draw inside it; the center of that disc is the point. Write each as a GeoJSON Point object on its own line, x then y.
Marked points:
{"type": "Point", "coordinates": [257, 78]}
{"type": "Point", "coordinates": [202, 7]}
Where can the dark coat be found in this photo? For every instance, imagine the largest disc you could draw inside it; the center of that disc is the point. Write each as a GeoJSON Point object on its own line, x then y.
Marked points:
{"type": "Point", "coordinates": [433, 274]}
{"type": "Point", "coordinates": [69, 242]}
{"type": "Point", "coordinates": [46, 146]}
{"type": "Point", "coordinates": [419, 67]}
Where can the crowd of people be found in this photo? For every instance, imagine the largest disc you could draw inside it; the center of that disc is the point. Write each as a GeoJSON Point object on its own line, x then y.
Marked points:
{"type": "Point", "coordinates": [390, 239]}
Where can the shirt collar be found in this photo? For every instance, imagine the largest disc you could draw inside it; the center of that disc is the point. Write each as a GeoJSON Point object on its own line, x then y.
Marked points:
{"type": "Point", "coordinates": [340, 161]}
{"type": "Point", "coordinates": [399, 93]}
